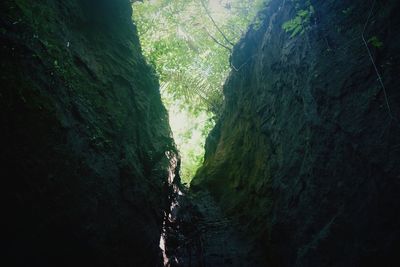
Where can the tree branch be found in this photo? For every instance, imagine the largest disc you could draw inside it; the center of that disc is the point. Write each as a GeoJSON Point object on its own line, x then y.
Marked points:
{"type": "Point", "coordinates": [218, 42]}
{"type": "Point", "coordinates": [215, 24]}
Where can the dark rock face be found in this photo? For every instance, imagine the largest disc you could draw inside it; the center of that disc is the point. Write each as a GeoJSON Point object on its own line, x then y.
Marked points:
{"type": "Point", "coordinates": [85, 137]}
{"type": "Point", "coordinates": [306, 155]}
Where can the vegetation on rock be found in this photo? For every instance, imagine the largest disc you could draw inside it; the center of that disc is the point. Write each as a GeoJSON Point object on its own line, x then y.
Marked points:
{"type": "Point", "coordinates": [301, 22]}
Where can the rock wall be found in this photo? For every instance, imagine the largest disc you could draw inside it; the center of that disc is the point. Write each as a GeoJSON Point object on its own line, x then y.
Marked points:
{"type": "Point", "coordinates": [306, 154]}
{"type": "Point", "coordinates": [85, 141]}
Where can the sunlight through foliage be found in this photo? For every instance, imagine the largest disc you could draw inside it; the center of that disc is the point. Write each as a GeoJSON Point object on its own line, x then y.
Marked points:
{"type": "Point", "coordinates": [189, 43]}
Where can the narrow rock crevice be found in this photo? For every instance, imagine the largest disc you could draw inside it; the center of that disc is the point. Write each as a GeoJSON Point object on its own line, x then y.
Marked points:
{"type": "Point", "coordinates": [301, 169]}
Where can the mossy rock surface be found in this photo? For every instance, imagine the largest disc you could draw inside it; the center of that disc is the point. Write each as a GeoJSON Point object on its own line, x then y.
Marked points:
{"type": "Point", "coordinates": [305, 155]}
{"type": "Point", "coordinates": [84, 136]}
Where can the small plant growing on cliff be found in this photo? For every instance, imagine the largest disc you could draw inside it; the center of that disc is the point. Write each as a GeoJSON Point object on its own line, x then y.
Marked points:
{"type": "Point", "coordinates": [375, 42]}
{"type": "Point", "coordinates": [300, 23]}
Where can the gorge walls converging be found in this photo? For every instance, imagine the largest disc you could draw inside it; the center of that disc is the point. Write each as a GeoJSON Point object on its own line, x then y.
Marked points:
{"type": "Point", "coordinates": [85, 137]}
{"type": "Point", "coordinates": [306, 154]}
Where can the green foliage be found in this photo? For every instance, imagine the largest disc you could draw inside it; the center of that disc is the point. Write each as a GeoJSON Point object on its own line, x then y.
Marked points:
{"type": "Point", "coordinates": [177, 40]}
{"type": "Point", "coordinates": [374, 41]}
{"type": "Point", "coordinates": [301, 22]}
{"type": "Point", "coordinates": [182, 39]}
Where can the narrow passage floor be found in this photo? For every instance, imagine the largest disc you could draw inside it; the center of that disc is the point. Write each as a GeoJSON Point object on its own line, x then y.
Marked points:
{"type": "Point", "coordinates": [199, 235]}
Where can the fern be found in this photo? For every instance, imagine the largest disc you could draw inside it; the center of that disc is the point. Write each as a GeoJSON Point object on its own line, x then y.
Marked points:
{"type": "Point", "coordinates": [300, 23]}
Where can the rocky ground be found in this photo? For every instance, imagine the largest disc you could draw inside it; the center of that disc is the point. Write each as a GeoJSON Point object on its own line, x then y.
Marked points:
{"type": "Point", "coordinates": [201, 235]}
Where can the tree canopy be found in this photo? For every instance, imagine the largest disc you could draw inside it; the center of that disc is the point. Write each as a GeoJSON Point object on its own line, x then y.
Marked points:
{"type": "Point", "coordinates": [189, 43]}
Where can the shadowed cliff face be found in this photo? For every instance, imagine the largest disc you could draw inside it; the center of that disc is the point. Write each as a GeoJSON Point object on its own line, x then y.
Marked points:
{"type": "Point", "coordinates": [306, 155]}
{"type": "Point", "coordinates": [84, 137]}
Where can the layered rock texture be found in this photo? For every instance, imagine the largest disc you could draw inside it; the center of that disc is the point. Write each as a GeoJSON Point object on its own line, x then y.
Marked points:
{"type": "Point", "coordinates": [85, 146]}
{"type": "Point", "coordinates": [306, 155]}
